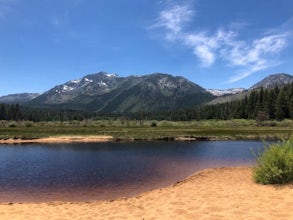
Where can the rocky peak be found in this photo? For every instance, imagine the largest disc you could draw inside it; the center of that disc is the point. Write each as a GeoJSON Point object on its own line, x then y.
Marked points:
{"type": "Point", "coordinates": [271, 81]}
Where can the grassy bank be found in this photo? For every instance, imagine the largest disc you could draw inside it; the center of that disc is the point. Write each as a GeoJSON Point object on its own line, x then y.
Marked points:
{"type": "Point", "coordinates": [149, 130]}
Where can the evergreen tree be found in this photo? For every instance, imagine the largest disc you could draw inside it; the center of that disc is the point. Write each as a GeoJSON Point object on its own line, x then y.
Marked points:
{"type": "Point", "coordinates": [280, 106]}
{"type": "Point", "coordinates": [3, 112]}
{"type": "Point", "coordinates": [291, 107]}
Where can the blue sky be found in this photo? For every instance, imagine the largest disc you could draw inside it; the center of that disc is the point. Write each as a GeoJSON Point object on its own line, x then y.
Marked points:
{"type": "Point", "coordinates": [216, 44]}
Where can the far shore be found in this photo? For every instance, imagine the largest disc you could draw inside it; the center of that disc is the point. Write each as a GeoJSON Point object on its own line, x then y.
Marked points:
{"type": "Point", "coordinates": [220, 193]}
{"type": "Point", "coordinates": [104, 138]}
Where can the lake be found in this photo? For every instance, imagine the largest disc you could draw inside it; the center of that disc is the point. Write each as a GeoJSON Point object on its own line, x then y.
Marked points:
{"type": "Point", "coordinates": [97, 171]}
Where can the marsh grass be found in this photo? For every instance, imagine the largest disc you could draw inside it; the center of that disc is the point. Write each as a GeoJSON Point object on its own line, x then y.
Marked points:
{"type": "Point", "coordinates": [131, 129]}
{"type": "Point", "coordinates": [275, 164]}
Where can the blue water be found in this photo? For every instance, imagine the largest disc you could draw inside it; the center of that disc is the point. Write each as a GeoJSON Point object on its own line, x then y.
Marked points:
{"type": "Point", "coordinates": [93, 171]}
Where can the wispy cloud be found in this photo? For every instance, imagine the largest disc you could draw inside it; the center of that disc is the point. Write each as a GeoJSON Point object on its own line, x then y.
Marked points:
{"type": "Point", "coordinates": [256, 55]}
{"type": "Point", "coordinates": [205, 46]}
{"type": "Point", "coordinates": [174, 18]}
{"type": "Point", "coordinates": [247, 56]}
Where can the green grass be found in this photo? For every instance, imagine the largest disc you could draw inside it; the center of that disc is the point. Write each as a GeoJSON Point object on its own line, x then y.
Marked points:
{"type": "Point", "coordinates": [125, 129]}
{"type": "Point", "coordinates": [275, 164]}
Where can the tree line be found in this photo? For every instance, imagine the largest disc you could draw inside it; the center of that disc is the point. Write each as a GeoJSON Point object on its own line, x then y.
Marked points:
{"type": "Point", "coordinates": [261, 104]}
{"type": "Point", "coordinates": [270, 104]}
{"type": "Point", "coordinates": [15, 112]}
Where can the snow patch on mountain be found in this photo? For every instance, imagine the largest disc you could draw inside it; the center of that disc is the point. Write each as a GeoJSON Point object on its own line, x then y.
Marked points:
{"type": "Point", "coordinates": [88, 80]}
{"type": "Point", "coordinates": [67, 88]}
{"type": "Point", "coordinates": [76, 81]}
{"type": "Point", "coordinates": [111, 75]}
{"type": "Point", "coordinates": [102, 83]}
{"type": "Point", "coordinates": [221, 92]}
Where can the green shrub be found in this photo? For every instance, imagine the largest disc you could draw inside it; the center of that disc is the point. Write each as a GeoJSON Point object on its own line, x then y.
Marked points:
{"type": "Point", "coordinates": [12, 125]}
{"type": "Point", "coordinates": [154, 124]}
{"type": "Point", "coordinates": [29, 124]}
{"type": "Point", "coordinates": [275, 164]}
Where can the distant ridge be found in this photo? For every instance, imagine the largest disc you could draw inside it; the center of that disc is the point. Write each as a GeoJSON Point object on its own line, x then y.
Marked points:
{"type": "Point", "coordinates": [271, 81]}
{"type": "Point", "coordinates": [274, 80]}
{"type": "Point", "coordinates": [18, 98]}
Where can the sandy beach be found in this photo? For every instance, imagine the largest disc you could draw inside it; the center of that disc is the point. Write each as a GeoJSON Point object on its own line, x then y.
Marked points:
{"type": "Point", "coordinates": [60, 139]}
{"type": "Point", "coordinates": [221, 193]}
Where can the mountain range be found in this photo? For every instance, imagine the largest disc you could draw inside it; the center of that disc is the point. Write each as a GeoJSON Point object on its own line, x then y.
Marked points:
{"type": "Point", "coordinates": [104, 92]}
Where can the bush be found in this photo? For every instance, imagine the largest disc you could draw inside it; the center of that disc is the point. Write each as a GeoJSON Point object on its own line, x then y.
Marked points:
{"type": "Point", "coordinates": [12, 125]}
{"type": "Point", "coordinates": [29, 124]}
{"type": "Point", "coordinates": [154, 124]}
{"type": "Point", "coordinates": [275, 164]}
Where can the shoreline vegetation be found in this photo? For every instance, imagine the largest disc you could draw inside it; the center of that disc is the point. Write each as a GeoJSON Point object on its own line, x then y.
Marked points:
{"type": "Point", "coordinates": [125, 130]}
{"type": "Point", "coordinates": [275, 164]}
{"type": "Point", "coordinates": [218, 193]}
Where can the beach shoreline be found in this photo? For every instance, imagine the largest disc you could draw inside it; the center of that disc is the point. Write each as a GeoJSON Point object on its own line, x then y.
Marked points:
{"type": "Point", "coordinates": [108, 138]}
{"type": "Point", "coordinates": [60, 139]}
{"type": "Point", "coordinates": [218, 193]}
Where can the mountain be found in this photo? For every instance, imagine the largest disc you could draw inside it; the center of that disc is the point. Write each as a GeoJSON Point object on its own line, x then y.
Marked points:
{"type": "Point", "coordinates": [270, 81]}
{"type": "Point", "coordinates": [274, 80]}
{"type": "Point", "coordinates": [222, 92]}
{"type": "Point", "coordinates": [104, 92]}
{"type": "Point", "coordinates": [18, 98]}
{"type": "Point", "coordinates": [84, 89]}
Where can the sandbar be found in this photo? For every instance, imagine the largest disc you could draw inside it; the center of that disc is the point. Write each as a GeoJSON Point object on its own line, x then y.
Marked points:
{"type": "Point", "coordinates": [60, 139]}
{"type": "Point", "coordinates": [220, 193]}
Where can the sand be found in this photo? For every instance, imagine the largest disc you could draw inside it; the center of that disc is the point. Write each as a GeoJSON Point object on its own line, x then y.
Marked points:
{"type": "Point", "coordinates": [222, 193]}
{"type": "Point", "coordinates": [60, 139]}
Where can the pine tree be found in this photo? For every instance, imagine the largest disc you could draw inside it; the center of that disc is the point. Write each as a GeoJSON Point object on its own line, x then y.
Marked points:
{"type": "Point", "coordinates": [3, 112]}
{"type": "Point", "coordinates": [280, 105]}
{"type": "Point", "coordinates": [269, 106]}
{"type": "Point", "coordinates": [291, 107]}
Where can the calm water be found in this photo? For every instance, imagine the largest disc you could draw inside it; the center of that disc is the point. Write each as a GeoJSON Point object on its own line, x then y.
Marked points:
{"type": "Point", "coordinates": [84, 172]}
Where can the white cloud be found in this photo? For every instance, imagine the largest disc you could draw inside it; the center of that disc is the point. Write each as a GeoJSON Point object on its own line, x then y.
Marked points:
{"type": "Point", "coordinates": [270, 44]}
{"type": "Point", "coordinates": [173, 19]}
{"type": "Point", "coordinates": [254, 56]}
{"type": "Point", "coordinates": [224, 45]}
{"type": "Point", "coordinates": [205, 54]}
{"type": "Point", "coordinates": [206, 46]}
{"type": "Point", "coordinates": [243, 73]}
